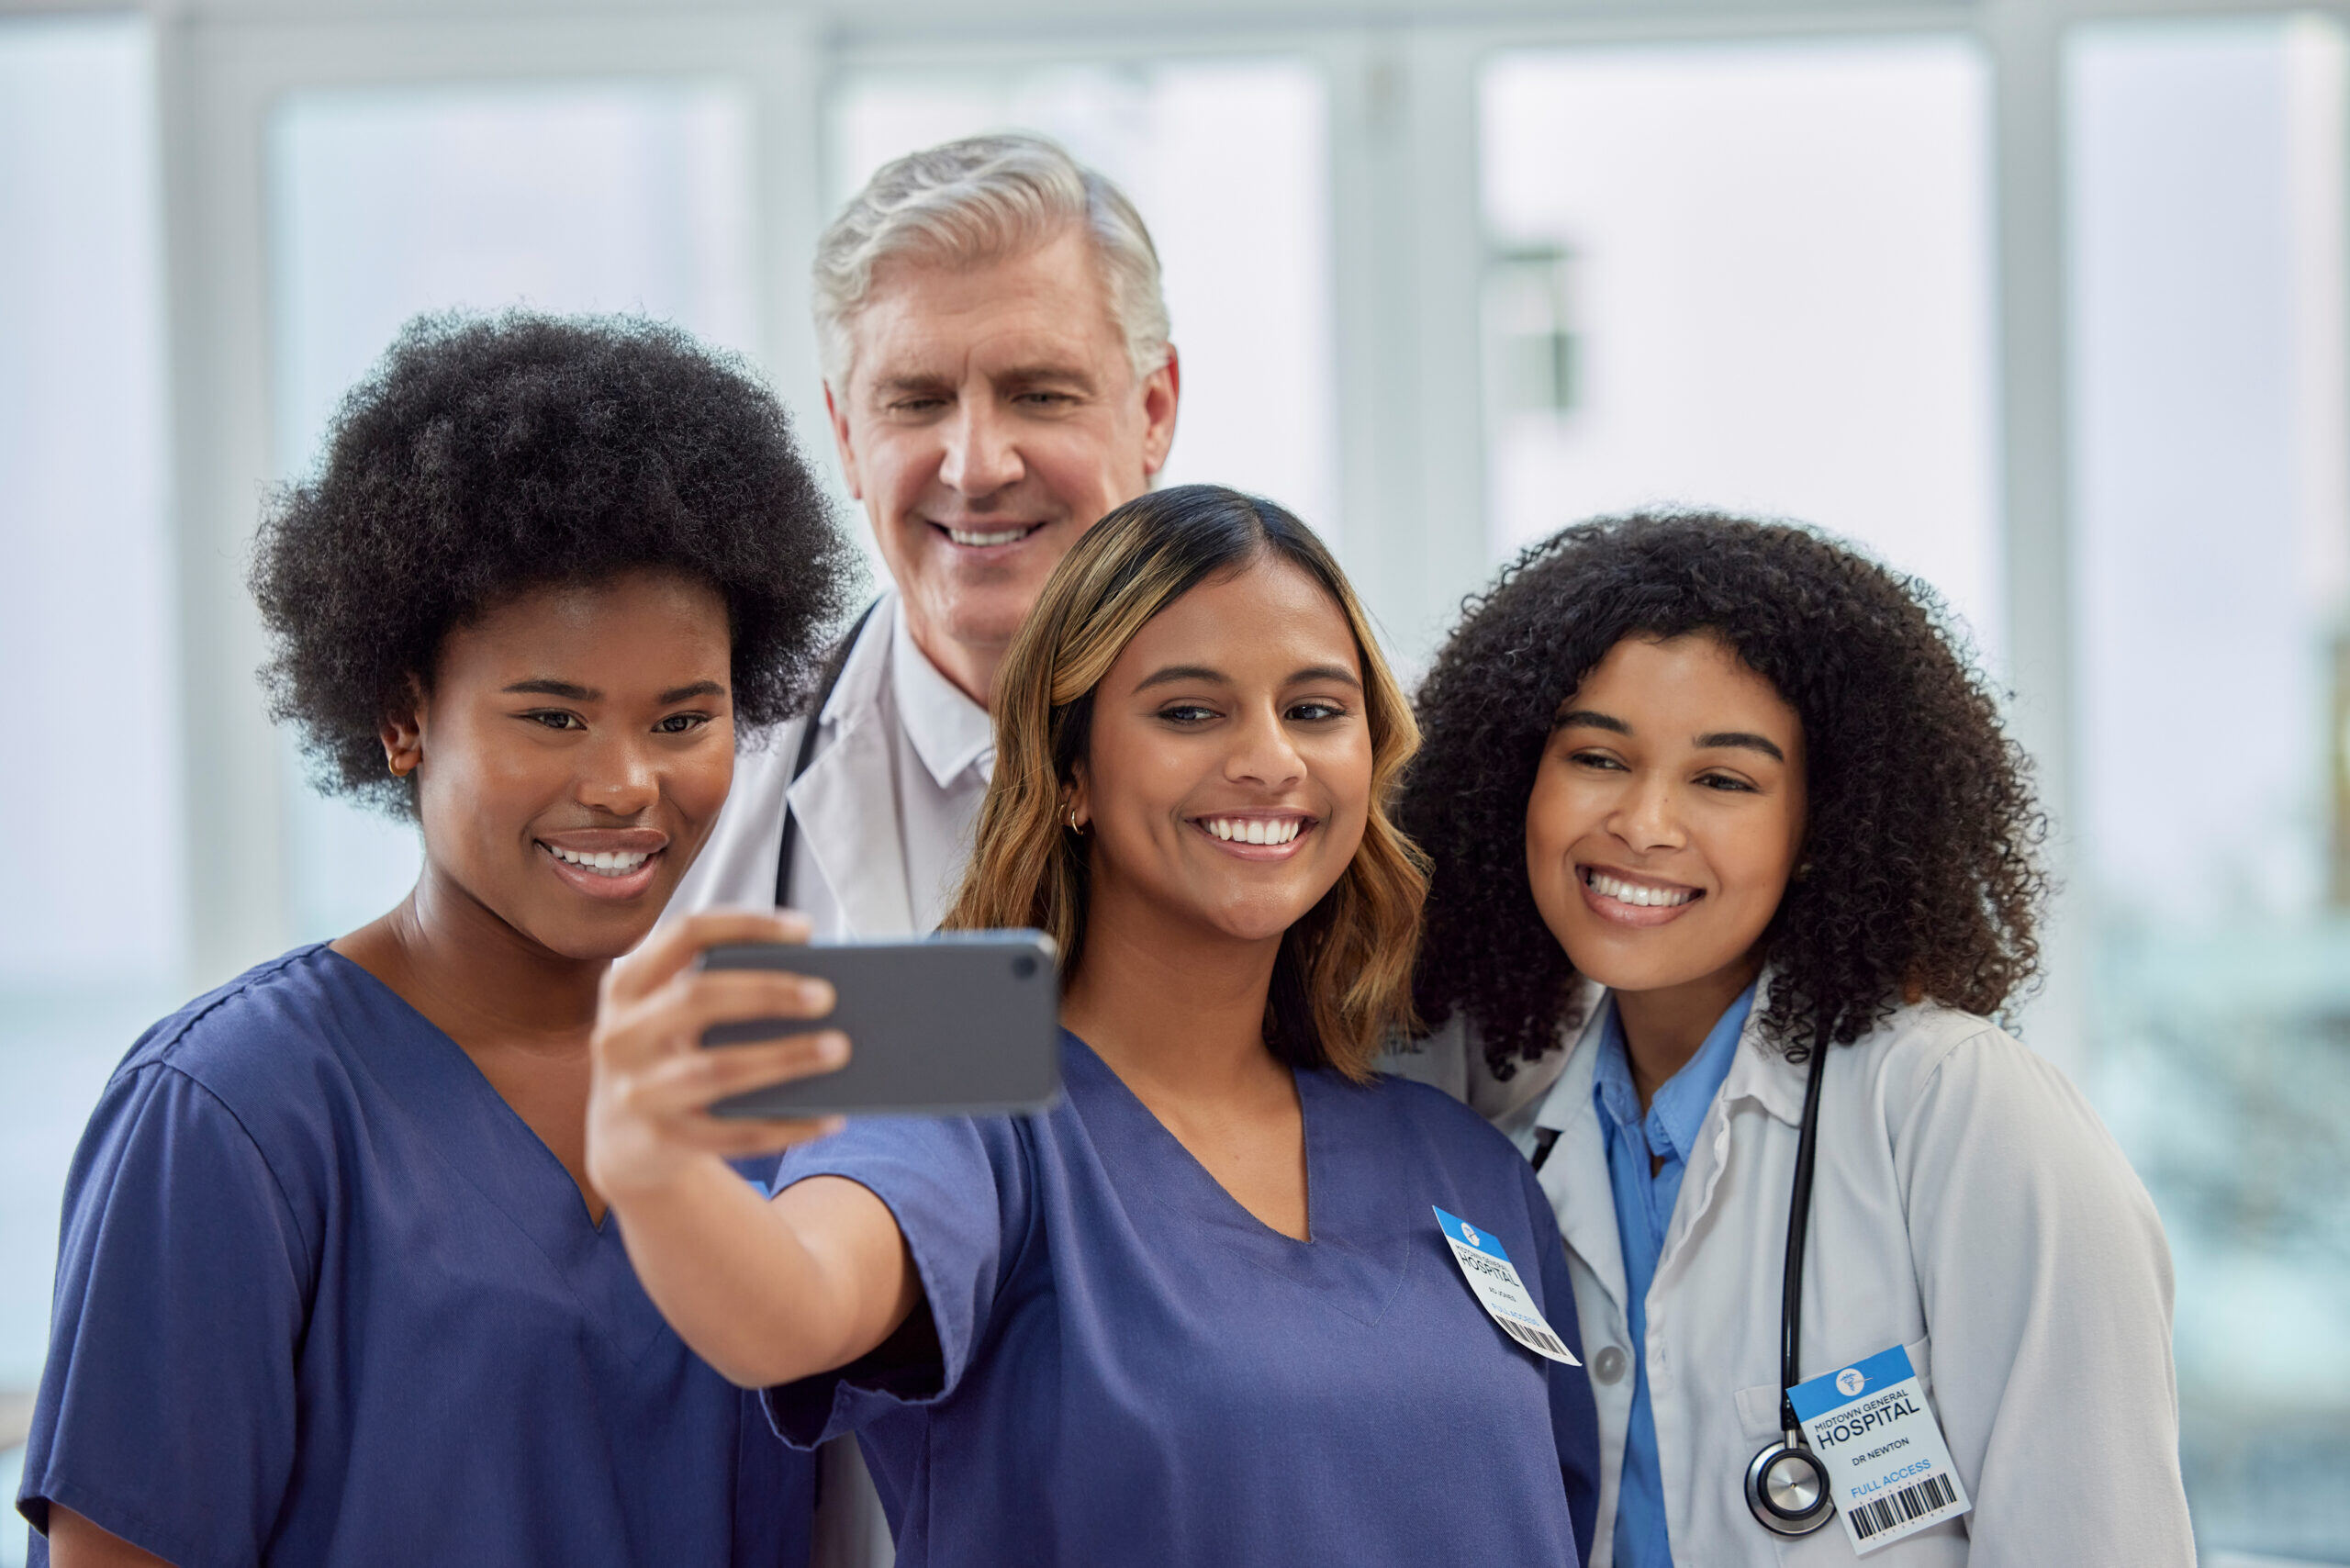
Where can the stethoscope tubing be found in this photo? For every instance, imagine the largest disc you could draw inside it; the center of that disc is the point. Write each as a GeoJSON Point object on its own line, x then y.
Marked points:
{"type": "Point", "coordinates": [1799, 1235]}
{"type": "Point", "coordinates": [825, 685]}
{"type": "Point", "coordinates": [1786, 1486]}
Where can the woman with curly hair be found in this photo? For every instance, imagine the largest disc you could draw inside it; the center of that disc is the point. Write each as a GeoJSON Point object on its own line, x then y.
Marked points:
{"type": "Point", "coordinates": [1727, 834]}
{"type": "Point", "coordinates": [335, 1285]}
{"type": "Point", "coordinates": [1201, 1311]}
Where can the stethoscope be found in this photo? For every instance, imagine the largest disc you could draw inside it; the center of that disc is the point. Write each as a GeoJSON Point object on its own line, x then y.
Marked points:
{"type": "Point", "coordinates": [1786, 1487]}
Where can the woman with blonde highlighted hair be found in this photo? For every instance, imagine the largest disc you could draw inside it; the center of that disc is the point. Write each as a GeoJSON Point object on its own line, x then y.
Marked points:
{"type": "Point", "coordinates": [1206, 1309]}
{"type": "Point", "coordinates": [1342, 978]}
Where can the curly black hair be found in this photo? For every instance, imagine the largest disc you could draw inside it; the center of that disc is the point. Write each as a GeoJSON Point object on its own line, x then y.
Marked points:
{"type": "Point", "coordinates": [488, 456]}
{"type": "Point", "coordinates": [1923, 879]}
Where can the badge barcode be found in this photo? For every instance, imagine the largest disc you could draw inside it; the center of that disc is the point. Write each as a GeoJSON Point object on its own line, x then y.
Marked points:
{"type": "Point", "coordinates": [1533, 1338]}
{"type": "Point", "coordinates": [1909, 1502]}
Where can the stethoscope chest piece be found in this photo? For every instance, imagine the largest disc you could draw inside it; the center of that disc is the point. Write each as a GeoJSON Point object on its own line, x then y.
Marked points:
{"type": "Point", "coordinates": [1787, 1487]}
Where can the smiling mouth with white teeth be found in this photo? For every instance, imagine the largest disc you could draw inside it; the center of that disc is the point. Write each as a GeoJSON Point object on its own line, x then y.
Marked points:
{"type": "Point", "coordinates": [1638, 894]}
{"type": "Point", "coordinates": [608, 863]}
{"type": "Point", "coordinates": [983, 540]}
{"type": "Point", "coordinates": [1255, 830]}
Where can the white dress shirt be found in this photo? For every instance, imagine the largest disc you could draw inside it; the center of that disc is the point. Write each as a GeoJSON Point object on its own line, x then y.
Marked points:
{"type": "Point", "coordinates": [1967, 1205]}
{"type": "Point", "coordinates": [886, 810]}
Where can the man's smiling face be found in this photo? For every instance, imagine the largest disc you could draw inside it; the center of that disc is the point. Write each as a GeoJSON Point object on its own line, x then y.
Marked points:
{"type": "Point", "coordinates": [992, 415]}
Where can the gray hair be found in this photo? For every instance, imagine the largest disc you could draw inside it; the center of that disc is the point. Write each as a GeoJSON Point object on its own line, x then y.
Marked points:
{"type": "Point", "coordinates": [977, 201]}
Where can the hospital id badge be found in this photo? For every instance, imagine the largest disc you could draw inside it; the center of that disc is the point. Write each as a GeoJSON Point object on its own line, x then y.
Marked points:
{"type": "Point", "coordinates": [1493, 1280]}
{"type": "Point", "coordinates": [1888, 1469]}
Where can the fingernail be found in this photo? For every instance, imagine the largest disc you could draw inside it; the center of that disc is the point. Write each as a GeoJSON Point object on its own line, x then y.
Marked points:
{"type": "Point", "coordinates": [836, 1047]}
{"type": "Point", "coordinates": [817, 995]}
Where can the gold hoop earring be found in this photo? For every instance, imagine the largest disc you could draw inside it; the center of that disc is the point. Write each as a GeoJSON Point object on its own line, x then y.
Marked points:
{"type": "Point", "coordinates": [1075, 826]}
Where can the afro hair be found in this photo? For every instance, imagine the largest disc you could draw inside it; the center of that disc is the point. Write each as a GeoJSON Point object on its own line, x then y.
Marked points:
{"type": "Point", "coordinates": [486, 457]}
{"type": "Point", "coordinates": [1923, 878]}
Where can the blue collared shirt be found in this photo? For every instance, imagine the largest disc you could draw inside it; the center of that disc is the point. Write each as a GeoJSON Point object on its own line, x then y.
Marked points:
{"type": "Point", "coordinates": [1644, 1215]}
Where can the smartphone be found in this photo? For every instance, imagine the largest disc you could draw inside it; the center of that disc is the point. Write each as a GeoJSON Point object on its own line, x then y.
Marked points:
{"type": "Point", "coordinates": [964, 1023]}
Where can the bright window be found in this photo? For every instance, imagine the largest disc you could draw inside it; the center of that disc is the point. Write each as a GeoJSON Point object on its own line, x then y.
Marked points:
{"type": "Point", "coordinates": [389, 202]}
{"type": "Point", "coordinates": [2212, 443]}
{"type": "Point", "coordinates": [1751, 278]}
{"type": "Point", "coordinates": [92, 924]}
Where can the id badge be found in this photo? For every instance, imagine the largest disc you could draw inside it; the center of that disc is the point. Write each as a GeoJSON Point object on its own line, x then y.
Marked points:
{"type": "Point", "coordinates": [1498, 1289]}
{"type": "Point", "coordinates": [1888, 1468]}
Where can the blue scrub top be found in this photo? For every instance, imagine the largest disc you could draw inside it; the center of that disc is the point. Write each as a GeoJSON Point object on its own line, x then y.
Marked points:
{"type": "Point", "coordinates": [1132, 1369]}
{"type": "Point", "coordinates": [322, 1297]}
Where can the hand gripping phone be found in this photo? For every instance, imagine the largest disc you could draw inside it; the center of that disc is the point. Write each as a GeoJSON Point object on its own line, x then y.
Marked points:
{"type": "Point", "coordinates": [965, 1023]}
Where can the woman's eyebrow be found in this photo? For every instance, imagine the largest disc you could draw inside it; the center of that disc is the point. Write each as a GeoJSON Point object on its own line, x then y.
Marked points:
{"type": "Point", "coordinates": [569, 691]}
{"type": "Point", "coordinates": [1742, 739]}
{"type": "Point", "coordinates": [1590, 719]}
{"type": "Point", "coordinates": [1175, 675]}
{"type": "Point", "coordinates": [1338, 673]}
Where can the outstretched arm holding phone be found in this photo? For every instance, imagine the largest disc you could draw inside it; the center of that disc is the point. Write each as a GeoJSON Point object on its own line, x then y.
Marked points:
{"type": "Point", "coordinates": [766, 1292]}
{"type": "Point", "coordinates": [1180, 1315]}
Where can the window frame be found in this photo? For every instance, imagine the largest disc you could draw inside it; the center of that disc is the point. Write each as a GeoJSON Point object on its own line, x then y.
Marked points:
{"type": "Point", "coordinates": [1403, 213]}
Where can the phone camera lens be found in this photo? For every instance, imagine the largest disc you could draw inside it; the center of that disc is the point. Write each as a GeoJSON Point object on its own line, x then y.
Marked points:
{"type": "Point", "coordinates": [1023, 966]}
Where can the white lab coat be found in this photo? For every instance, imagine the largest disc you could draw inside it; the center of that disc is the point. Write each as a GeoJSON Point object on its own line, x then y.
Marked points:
{"type": "Point", "coordinates": [885, 808]}
{"type": "Point", "coordinates": [1967, 1205]}
{"type": "Point", "coordinates": [885, 812]}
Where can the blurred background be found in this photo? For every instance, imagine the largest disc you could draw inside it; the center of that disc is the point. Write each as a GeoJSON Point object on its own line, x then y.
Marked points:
{"type": "Point", "coordinates": [2044, 302]}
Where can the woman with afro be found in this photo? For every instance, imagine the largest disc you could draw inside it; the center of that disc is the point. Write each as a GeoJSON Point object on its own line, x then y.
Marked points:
{"type": "Point", "coordinates": [333, 1285]}
{"type": "Point", "coordinates": [1721, 816]}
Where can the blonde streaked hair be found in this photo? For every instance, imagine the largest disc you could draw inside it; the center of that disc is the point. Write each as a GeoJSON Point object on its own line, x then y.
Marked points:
{"type": "Point", "coordinates": [1342, 985]}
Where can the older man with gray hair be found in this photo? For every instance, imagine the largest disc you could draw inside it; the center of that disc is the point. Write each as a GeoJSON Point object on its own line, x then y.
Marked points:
{"type": "Point", "coordinates": [998, 374]}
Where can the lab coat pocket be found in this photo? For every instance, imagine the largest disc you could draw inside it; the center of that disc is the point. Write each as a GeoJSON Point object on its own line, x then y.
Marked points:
{"type": "Point", "coordinates": [1921, 1361]}
{"type": "Point", "coordinates": [1758, 1408]}
{"type": "Point", "coordinates": [1758, 1412]}
{"type": "Point", "coordinates": [1758, 1417]}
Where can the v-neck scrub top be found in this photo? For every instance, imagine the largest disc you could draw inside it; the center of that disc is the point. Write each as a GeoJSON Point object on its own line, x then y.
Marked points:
{"type": "Point", "coordinates": [324, 1299]}
{"type": "Point", "coordinates": [1134, 1369]}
